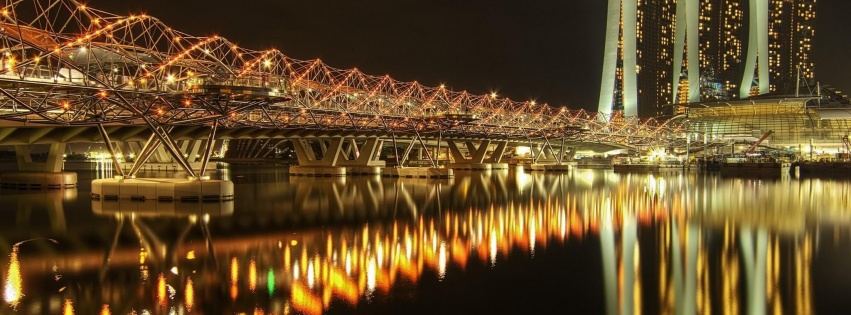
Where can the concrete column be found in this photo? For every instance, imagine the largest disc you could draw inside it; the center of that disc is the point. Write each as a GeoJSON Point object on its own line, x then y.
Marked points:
{"type": "Point", "coordinates": [406, 154]}
{"type": "Point", "coordinates": [134, 148]}
{"type": "Point", "coordinates": [346, 153]}
{"type": "Point", "coordinates": [161, 155]}
{"type": "Point", "coordinates": [307, 157]}
{"type": "Point", "coordinates": [53, 163]}
{"type": "Point", "coordinates": [455, 152]}
{"type": "Point", "coordinates": [303, 151]}
{"type": "Point", "coordinates": [498, 152]}
{"type": "Point", "coordinates": [477, 154]}
{"type": "Point", "coordinates": [369, 156]}
{"type": "Point", "coordinates": [323, 146]}
{"type": "Point", "coordinates": [194, 148]}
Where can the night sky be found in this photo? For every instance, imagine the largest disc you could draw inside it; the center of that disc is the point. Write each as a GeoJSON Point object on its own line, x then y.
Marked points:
{"type": "Point", "coordinates": [550, 51]}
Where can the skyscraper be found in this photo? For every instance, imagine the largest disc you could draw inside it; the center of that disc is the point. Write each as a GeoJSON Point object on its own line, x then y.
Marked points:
{"type": "Point", "coordinates": [660, 52]}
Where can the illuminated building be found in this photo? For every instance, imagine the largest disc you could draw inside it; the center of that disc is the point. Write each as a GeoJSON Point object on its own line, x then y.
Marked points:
{"type": "Point", "coordinates": [702, 50]}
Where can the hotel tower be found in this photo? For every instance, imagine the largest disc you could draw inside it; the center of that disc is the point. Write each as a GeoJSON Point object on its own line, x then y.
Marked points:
{"type": "Point", "coordinates": [660, 52]}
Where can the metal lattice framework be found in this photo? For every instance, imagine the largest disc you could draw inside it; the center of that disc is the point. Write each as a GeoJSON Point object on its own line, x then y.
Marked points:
{"type": "Point", "coordinates": [66, 63]}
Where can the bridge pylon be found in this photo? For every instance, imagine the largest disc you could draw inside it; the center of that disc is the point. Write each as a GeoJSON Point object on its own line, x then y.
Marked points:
{"type": "Point", "coordinates": [547, 157]}
{"type": "Point", "coordinates": [337, 156]}
{"type": "Point", "coordinates": [195, 188]}
{"type": "Point", "coordinates": [476, 157]}
{"type": "Point", "coordinates": [39, 174]}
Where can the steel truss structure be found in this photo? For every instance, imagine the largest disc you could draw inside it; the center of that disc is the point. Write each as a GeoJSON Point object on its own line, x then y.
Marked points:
{"type": "Point", "coordinates": [68, 64]}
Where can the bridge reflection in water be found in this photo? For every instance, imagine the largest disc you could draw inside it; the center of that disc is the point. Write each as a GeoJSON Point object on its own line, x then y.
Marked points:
{"type": "Point", "coordinates": [681, 244]}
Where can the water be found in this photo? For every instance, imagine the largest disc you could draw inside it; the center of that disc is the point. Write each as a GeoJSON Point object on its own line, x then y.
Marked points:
{"type": "Point", "coordinates": [590, 242]}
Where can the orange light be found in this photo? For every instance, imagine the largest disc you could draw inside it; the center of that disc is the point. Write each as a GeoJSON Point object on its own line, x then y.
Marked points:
{"type": "Point", "coordinates": [304, 300]}
{"type": "Point", "coordinates": [189, 295]}
{"type": "Point", "coordinates": [68, 308]}
{"type": "Point", "coordinates": [234, 270]}
{"type": "Point", "coordinates": [252, 275]}
{"type": "Point", "coordinates": [161, 290]}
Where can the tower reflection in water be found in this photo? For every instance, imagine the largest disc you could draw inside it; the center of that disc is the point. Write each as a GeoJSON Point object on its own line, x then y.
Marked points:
{"type": "Point", "coordinates": [306, 244]}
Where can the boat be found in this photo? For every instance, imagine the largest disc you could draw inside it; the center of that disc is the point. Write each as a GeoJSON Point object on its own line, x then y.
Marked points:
{"type": "Point", "coordinates": [824, 168]}
{"type": "Point", "coordinates": [755, 166]}
{"type": "Point", "coordinates": [647, 164]}
{"type": "Point", "coordinates": [594, 163]}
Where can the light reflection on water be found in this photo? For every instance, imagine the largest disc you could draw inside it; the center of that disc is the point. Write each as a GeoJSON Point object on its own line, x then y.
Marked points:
{"type": "Point", "coordinates": [681, 243]}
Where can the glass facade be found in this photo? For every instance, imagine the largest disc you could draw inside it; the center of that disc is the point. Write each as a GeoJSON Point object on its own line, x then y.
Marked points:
{"type": "Point", "coordinates": [794, 124]}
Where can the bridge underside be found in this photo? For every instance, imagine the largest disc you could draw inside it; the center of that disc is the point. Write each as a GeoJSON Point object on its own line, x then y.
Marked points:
{"type": "Point", "coordinates": [25, 134]}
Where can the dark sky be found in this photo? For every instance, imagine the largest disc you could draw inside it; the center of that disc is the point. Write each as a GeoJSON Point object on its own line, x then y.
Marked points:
{"type": "Point", "coordinates": [546, 50]}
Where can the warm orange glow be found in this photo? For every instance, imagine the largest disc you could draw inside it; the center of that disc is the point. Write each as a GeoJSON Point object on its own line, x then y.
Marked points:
{"type": "Point", "coordinates": [161, 291]}
{"type": "Point", "coordinates": [68, 308]}
{"type": "Point", "coordinates": [189, 295]}
{"type": "Point", "coordinates": [343, 287]}
{"type": "Point", "coordinates": [287, 258]}
{"type": "Point", "coordinates": [304, 300]}
{"type": "Point", "coordinates": [234, 292]}
{"type": "Point", "coordinates": [12, 291]}
{"type": "Point", "coordinates": [234, 270]}
{"type": "Point", "coordinates": [252, 275]}
{"type": "Point", "coordinates": [303, 260]}
{"type": "Point", "coordinates": [105, 310]}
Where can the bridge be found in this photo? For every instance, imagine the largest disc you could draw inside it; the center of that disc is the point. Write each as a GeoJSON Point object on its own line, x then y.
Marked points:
{"type": "Point", "coordinates": [71, 73]}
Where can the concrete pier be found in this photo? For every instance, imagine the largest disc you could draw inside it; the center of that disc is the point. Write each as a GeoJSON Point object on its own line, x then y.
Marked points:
{"type": "Point", "coordinates": [470, 166]}
{"type": "Point", "coordinates": [554, 168]}
{"type": "Point", "coordinates": [38, 180]}
{"type": "Point", "coordinates": [363, 170]}
{"type": "Point", "coordinates": [317, 171]}
{"type": "Point", "coordinates": [162, 189]}
{"type": "Point", "coordinates": [147, 167]}
{"type": "Point", "coordinates": [418, 172]}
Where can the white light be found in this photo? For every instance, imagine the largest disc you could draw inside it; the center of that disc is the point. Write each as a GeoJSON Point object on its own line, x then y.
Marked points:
{"type": "Point", "coordinates": [441, 260]}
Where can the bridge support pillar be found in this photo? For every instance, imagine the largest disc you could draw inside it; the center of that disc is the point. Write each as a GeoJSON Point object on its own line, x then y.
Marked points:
{"type": "Point", "coordinates": [195, 188]}
{"type": "Point", "coordinates": [38, 175]}
{"type": "Point", "coordinates": [422, 166]}
{"type": "Point", "coordinates": [547, 159]}
{"type": "Point", "coordinates": [160, 160]}
{"type": "Point", "coordinates": [308, 162]}
{"type": "Point", "coordinates": [495, 159]}
{"type": "Point", "coordinates": [337, 156]}
{"type": "Point", "coordinates": [363, 158]}
{"type": "Point", "coordinates": [478, 158]}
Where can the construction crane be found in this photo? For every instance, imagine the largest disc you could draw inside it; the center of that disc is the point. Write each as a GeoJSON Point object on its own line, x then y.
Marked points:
{"type": "Point", "coordinates": [753, 146]}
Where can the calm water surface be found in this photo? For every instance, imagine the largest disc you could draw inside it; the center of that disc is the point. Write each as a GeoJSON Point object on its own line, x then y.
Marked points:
{"type": "Point", "coordinates": [586, 242]}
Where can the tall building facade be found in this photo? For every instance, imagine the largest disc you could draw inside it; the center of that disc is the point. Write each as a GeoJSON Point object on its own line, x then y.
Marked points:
{"type": "Point", "coordinates": [660, 52]}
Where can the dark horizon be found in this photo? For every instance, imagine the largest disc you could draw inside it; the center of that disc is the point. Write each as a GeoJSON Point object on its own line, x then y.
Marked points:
{"type": "Point", "coordinates": [547, 51]}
